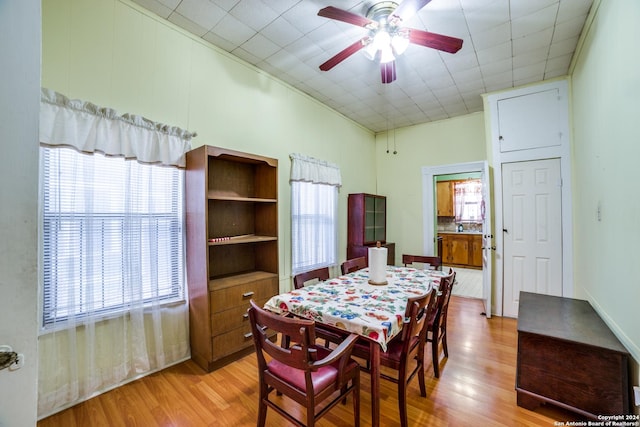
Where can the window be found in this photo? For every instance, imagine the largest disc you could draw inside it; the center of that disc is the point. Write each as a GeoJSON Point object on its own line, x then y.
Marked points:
{"type": "Point", "coordinates": [468, 201]}
{"type": "Point", "coordinates": [314, 225]}
{"type": "Point", "coordinates": [112, 234]}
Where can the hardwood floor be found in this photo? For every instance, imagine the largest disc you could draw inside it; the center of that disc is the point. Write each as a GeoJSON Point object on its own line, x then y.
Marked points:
{"type": "Point", "coordinates": [476, 388]}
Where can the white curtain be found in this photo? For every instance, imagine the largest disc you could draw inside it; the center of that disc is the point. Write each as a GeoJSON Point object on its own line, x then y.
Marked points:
{"type": "Point", "coordinates": [314, 213]}
{"type": "Point", "coordinates": [113, 302]}
{"type": "Point", "coordinates": [309, 169]}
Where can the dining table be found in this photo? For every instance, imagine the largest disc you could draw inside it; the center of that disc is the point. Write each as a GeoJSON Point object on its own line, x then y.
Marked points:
{"type": "Point", "coordinates": [353, 304]}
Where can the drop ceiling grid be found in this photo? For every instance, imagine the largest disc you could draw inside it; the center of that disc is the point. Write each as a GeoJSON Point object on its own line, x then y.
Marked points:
{"type": "Point", "coordinates": [506, 43]}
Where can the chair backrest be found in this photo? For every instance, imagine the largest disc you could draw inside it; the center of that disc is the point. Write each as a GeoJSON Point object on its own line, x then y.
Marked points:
{"type": "Point", "coordinates": [447, 283]}
{"type": "Point", "coordinates": [301, 331]}
{"type": "Point", "coordinates": [439, 304]}
{"type": "Point", "coordinates": [415, 319]}
{"type": "Point", "coordinates": [434, 261]}
{"type": "Point", "coordinates": [353, 264]}
{"type": "Point", "coordinates": [321, 274]}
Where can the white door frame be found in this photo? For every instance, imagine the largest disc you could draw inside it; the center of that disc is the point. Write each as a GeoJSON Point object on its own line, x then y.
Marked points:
{"type": "Point", "coordinates": [428, 208]}
{"type": "Point", "coordinates": [563, 152]}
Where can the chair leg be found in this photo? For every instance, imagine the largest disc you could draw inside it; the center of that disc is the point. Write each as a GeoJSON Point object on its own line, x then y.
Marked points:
{"type": "Point", "coordinates": [444, 343]}
{"type": "Point", "coordinates": [262, 406]}
{"type": "Point", "coordinates": [420, 373]}
{"type": "Point", "coordinates": [356, 400]}
{"type": "Point", "coordinates": [434, 355]}
{"type": "Point", "coordinates": [402, 401]}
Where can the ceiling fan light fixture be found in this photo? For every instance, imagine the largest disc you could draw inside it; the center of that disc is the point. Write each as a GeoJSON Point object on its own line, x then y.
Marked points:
{"type": "Point", "coordinates": [386, 54]}
{"type": "Point", "coordinates": [370, 50]}
{"type": "Point", "coordinates": [400, 43]}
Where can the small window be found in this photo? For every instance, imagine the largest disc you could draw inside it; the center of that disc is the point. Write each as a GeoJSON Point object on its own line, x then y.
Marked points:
{"type": "Point", "coordinates": [314, 225]}
{"type": "Point", "coordinates": [468, 201]}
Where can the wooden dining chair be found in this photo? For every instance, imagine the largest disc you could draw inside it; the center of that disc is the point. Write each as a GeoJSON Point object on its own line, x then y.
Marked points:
{"type": "Point", "coordinates": [321, 274]}
{"type": "Point", "coordinates": [437, 321]}
{"type": "Point", "coordinates": [310, 375]}
{"type": "Point", "coordinates": [434, 261]}
{"type": "Point", "coordinates": [402, 351]}
{"type": "Point", "coordinates": [353, 264]}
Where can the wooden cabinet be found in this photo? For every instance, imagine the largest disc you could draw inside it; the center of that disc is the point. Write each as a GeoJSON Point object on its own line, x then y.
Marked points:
{"type": "Point", "coordinates": [464, 250]}
{"type": "Point", "coordinates": [569, 357]}
{"type": "Point", "coordinates": [366, 225]}
{"type": "Point", "coordinates": [475, 254]}
{"type": "Point", "coordinates": [232, 248]}
{"type": "Point", "coordinates": [444, 198]}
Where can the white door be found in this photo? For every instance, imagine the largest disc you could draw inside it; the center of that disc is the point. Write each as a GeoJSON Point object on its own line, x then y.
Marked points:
{"type": "Point", "coordinates": [487, 240]}
{"type": "Point", "coordinates": [532, 230]}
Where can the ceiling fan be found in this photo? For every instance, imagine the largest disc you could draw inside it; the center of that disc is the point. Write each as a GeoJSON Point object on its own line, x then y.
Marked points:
{"type": "Point", "coordinates": [387, 37]}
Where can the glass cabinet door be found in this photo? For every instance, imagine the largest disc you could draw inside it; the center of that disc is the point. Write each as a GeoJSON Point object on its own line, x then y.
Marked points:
{"type": "Point", "coordinates": [374, 219]}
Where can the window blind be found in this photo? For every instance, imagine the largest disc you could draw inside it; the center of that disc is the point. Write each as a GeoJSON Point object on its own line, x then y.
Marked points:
{"type": "Point", "coordinates": [112, 234]}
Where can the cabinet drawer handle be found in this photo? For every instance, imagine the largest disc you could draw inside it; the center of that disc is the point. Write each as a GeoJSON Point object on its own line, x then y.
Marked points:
{"type": "Point", "coordinates": [247, 294]}
{"type": "Point", "coordinates": [246, 315]}
{"type": "Point", "coordinates": [248, 335]}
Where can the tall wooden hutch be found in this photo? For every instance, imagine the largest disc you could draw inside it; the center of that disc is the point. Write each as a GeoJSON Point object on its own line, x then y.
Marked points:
{"type": "Point", "coordinates": [366, 225]}
{"type": "Point", "coordinates": [232, 248]}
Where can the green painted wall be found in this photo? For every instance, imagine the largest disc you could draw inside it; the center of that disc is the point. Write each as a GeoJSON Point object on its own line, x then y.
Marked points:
{"type": "Point", "coordinates": [399, 176]}
{"type": "Point", "coordinates": [605, 111]}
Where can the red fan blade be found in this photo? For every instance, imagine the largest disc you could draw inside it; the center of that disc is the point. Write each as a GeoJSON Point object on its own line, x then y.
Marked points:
{"type": "Point", "coordinates": [408, 8]}
{"type": "Point", "coordinates": [344, 54]}
{"type": "Point", "coordinates": [344, 16]}
{"type": "Point", "coordinates": [435, 41]}
{"type": "Point", "coordinates": [388, 71]}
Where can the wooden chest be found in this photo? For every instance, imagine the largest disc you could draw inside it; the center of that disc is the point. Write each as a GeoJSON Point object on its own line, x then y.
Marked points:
{"type": "Point", "coordinates": [568, 356]}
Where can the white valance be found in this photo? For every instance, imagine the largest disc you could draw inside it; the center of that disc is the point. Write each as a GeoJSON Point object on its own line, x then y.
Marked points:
{"type": "Point", "coordinates": [89, 128]}
{"type": "Point", "coordinates": [308, 169]}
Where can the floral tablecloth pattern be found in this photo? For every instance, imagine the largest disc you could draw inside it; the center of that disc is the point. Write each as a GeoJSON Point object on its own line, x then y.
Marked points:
{"type": "Point", "coordinates": [350, 303]}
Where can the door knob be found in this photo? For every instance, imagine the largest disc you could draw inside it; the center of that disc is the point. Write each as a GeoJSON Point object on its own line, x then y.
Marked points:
{"type": "Point", "coordinates": [505, 230]}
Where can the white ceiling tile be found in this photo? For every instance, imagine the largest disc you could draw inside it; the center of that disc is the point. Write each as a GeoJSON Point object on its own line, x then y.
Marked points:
{"type": "Point", "coordinates": [491, 15]}
{"type": "Point", "coordinates": [156, 7]}
{"type": "Point", "coordinates": [472, 74]}
{"type": "Point", "coordinates": [493, 81]}
{"type": "Point", "coordinates": [533, 42]}
{"type": "Point", "coordinates": [494, 53]}
{"type": "Point", "coordinates": [497, 67]}
{"type": "Point", "coordinates": [471, 86]}
{"type": "Point", "coordinates": [521, 9]}
{"type": "Point", "coordinates": [527, 80]}
{"type": "Point", "coordinates": [260, 46]}
{"type": "Point", "coordinates": [227, 5]}
{"type": "Point", "coordinates": [493, 36]}
{"type": "Point", "coordinates": [219, 41]}
{"type": "Point", "coordinates": [253, 13]}
{"type": "Point", "coordinates": [554, 73]}
{"type": "Point", "coordinates": [533, 70]}
{"type": "Point", "coordinates": [534, 22]}
{"type": "Point", "coordinates": [569, 9]}
{"type": "Point", "coordinates": [187, 24]}
{"type": "Point", "coordinates": [559, 63]}
{"type": "Point", "coordinates": [202, 12]}
{"type": "Point", "coordinates": [281, 33]}
{"type": "Point", "coordinates": [232, 30]}
{"type": "Point", "coordinates": [280, 6]}
{"type": "Point", "coordinates": [172, 4]}
{"type": "Point", "coordinates": [247, 56]}
{"type": "Point", "coordinates": [569, 28]}
{"type": "Point", "coordinates": [461, 62]}
{"type": "Point", "coordinates": [563, 47]}
{"type": "Point", "coordinates": [531, 57]}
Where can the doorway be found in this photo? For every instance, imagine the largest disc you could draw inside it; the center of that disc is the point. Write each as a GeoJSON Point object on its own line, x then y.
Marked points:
{"type": "Point", "coordinates": [429, 176]}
